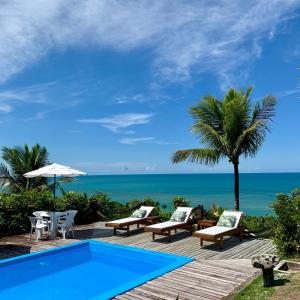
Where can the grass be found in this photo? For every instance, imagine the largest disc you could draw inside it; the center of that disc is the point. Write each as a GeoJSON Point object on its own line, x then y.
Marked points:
{"type": "Point", "coordinates": [256, 291]}
{"type": "Point", "coordinates": [289, 291]}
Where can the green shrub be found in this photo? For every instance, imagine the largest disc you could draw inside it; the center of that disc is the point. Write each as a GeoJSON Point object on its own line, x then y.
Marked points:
{"type": "Point", "coordinates": [16, 207]}
{"type": "Point", "coordinates": [180, 201]}
{"type": "Point", "coordinates": [287, 226]}
{"type": "Point", "coordinates": [165, 215]}
{"type": "Point", "coordinates": [41, 200]}
{"type": "Point", "coordinates": [259, 225]}
{"type": "Point", "coordinates": [81, 203]}
{"type": "Point", "coordinates": [215, 211]}
{"type": "Point", "coordinates": [147, 202]}
{"type": "Point", "coordinates": [13, 212]}
{"type": "Point", "coordinates": [102, 207]}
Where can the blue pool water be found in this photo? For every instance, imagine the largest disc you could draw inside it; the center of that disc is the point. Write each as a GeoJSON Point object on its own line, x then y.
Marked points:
{"type": "Point", "coordinates": [85, 270]}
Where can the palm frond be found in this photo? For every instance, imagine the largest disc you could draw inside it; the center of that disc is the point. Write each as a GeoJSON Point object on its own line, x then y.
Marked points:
{"type": "Point", "coordinates": [66, 180]}
{"type": "Point", "coordinates": [266, 110]}
{"type": "Point", "coordinates": [210, 112]}
{"type": "Point", "coordinates": [252, 138]}
{"type": "Point", "coordinates": [210, 137]}
{"type": "Point", "coordinates": [237, 116]}
{"type": "Point", "coordinates": [20, 160]}
{"type": "Point", "coordinates": [6, 180]}
{"type": "Point", "coordinates": [204, 156]}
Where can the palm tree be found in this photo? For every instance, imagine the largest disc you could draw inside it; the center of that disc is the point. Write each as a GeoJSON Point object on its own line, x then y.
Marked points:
{"type": "Point", "coordinates": [20, 160]}
{"type": "Point", "coordinates": [230, 128]}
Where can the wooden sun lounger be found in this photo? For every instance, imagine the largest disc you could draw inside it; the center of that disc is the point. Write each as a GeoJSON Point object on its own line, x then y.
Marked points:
{"type": "Point", "coordinates": [166, 231]}
{"type": "Point", "coordinates": [216, 233]}
{"type": "Point", "coordinates": [124, 224]}
{"type": "Point", "coordinates": [165, 228]}
{"type": "Point", "coordinates": [218, 238]}
{"type": "Point", "coordinates": [134, 221]}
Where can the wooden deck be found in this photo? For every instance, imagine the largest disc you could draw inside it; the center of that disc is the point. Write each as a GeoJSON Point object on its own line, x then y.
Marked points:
{"type": "Point", "coordinates": [214, 274]}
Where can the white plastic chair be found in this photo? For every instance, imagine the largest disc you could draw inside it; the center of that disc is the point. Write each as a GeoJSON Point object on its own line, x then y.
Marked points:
{"type": "Point", "coordinates": [73, 213]}
{"type": "Point", "coordinates": [37, 226]}
{"type": "Point", "coordinates": [67, 224]}
{"type": "Point", "coordinates": [44, 217]}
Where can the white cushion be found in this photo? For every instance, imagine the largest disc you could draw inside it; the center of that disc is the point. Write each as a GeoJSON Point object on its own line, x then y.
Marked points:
{"type": "Point", "coordinates": [125, 220]}
{"type": "Point", "coordinates": [188, 211]}
{"type": "Point", "coordinates": [148, 209]}
{"type": "Point", "coordinates": [214, 230]}
{"type": "Point", "coordinates": [237, 214]}
{"type": "Point", "coordinates": [164, 224]}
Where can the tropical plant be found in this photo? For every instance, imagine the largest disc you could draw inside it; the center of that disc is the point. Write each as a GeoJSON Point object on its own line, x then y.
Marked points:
{"type": "Point", "coordinates": [180, 201]}
{"type": "Point", "coordinates": [19, 160]}
{"type": "Point", "coordinates": [230, 128]}
{"type": "Point", "coordinates": [287, 223]}
{"type": "Point", "coordinates": [215, 211]}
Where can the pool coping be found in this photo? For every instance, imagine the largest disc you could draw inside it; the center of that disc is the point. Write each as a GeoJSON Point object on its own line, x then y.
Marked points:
{"type": "Point", "coordinates": [179, 262]}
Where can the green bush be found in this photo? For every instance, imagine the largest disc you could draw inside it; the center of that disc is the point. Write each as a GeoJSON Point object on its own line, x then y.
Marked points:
{"type": "Point", "coordinates": [41, 200]}
{"type": "Point", "coordinates": [102, 207]}
{"type": "Point", "coordinates": [81, 203]}
{"type": "Point", "coordinates": [131, 205]}
{"type": "Point", "coordinates": [287, 226]}
{"type": "Point", "coordinates": [261, 226]}
{"type": "Point", "coordinates": [165, 215]}
{"type": "Point", "coordinates": [180, 201]}
{"type": "Point", "coordinates": [16, 207]}
{"type": "Point", "coordinates": [215, 211]}
{"type": "Point", "coordinates": [13, 212]}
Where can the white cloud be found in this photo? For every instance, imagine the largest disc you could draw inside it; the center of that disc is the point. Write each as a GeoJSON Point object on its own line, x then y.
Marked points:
{"type": "Point", "coordinates": [137, 98]}
{"type": "Point", "coordinates": [286, 93]}
{"type": "Point", "coordinates": [152, 140]}
{"type": "Point", "coordinates": [184, 36]}
{"type": "Point", "coordinates": [45, 93]}
{"type": "Point", "coordinates": [38, 116]}
{"type": "Point", "coordinates": [122, 121]}
{"type": "Point", "coordinates": [6, 108]}
{"type": "Point", "coordinates": [133, 141]}
{"type": "Point", "coordinates": [155, 96]}
{"type": "Point", "coordinates": [29, 94]}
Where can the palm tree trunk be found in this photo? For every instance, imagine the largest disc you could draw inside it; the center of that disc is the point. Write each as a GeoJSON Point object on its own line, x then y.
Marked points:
{"type": "Point", "coordinates": [236, 186]}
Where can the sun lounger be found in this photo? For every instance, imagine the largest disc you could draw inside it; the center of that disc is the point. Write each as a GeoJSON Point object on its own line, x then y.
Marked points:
{"type": "Point", "coordinates": [179, 220]}
{"type": "Point", "coordinates": [138, 217]}
{"type": "Point", "coordinates": [228, 225]}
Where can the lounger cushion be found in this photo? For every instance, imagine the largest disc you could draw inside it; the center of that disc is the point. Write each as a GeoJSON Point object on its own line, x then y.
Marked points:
{"type": "Point", "coordinates": [125, 220]}
{"type": "Point", "coordinates": [139, 213]}
{"type": "Point", "coordinates": [164, 225]}
{"type": "Point", "coordinates": [178, 216]}
{"type": "Point", "coordinates": [227, 221]}
{"type": "Point", "coordinates": [214, 230]}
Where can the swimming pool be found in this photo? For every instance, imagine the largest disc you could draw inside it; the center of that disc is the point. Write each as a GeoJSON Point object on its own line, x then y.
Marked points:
{"type": "Point", "coordinates": [83, 270]}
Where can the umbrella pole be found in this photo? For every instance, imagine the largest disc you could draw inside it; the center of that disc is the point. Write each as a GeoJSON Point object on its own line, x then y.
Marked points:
{"type": "Point", "coordinates": [54, 194]}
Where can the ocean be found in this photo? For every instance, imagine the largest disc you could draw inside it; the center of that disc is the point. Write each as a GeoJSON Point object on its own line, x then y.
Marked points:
{"type": "Point", "coordinates": [257, 191]}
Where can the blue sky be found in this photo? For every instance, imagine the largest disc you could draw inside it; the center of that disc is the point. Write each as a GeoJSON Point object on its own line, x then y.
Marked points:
{"type": "Point", "coordinates": [106, 85]}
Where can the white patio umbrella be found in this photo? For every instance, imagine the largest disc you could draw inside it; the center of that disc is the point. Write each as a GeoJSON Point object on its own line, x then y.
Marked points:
{"type": "Point", "coordinates": [54, 170]}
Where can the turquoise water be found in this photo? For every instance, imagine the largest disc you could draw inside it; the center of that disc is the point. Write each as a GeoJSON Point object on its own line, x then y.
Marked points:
{"type": "Point", "coordinates": [257, 191]}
